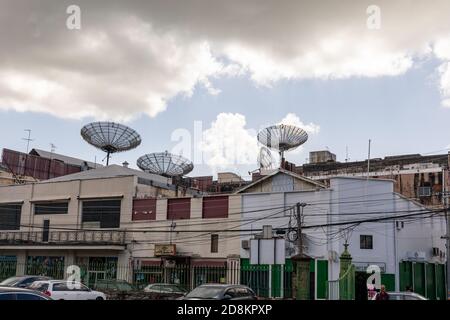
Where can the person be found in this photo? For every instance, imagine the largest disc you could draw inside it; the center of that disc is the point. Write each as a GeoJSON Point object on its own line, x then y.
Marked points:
{"type": "Point", "coordinates": [408, 289]}
{"type": "Point", "coordinates": [382, 295]}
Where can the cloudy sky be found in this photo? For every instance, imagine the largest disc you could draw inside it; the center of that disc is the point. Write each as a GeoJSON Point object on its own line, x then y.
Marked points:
{"type": "Point", "coordinates": [202, 77]}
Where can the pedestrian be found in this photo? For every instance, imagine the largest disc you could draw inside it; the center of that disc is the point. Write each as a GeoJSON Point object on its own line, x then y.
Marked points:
{"type": "Point", "coordinates": [382, 295]}
{"type": "Point", "coordinates": [408, 289]}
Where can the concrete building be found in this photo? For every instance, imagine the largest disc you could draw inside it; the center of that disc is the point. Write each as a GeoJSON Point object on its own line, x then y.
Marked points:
{"type": "Point", "coordinates": [422, 178]}
{"type": "Point", "coordinates": [107, 216]}
{"type": "Point", "coordinates": [393, 245]}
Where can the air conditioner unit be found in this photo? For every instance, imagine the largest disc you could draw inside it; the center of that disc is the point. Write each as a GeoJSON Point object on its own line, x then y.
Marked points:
{"type": "Point", "coordinates": [416, 255]}
{"type": "Point", "coordinates": [246, 244]}
{"type": "Point", "coordinates": [436, 252]}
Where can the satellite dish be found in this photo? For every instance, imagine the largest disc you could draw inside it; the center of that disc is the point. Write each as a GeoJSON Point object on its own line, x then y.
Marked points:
{"type": "Point", "coordinates": [165, 164]}
{"type": "Point", "coordinates": [110, 137]}
{"type": "Point", "coordinates": [282, 137]}
{"type": "Point", "coordinates": [265, 159]}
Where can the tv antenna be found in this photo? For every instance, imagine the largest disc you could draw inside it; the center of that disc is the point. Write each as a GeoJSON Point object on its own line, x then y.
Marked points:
{"type": "Point", "coordinates": [28, 139]}
{"type": "Point", "coordinates": [165, 164]}
{"type": "Point", "coordinates": [52, 148]}
{"type": "Point", "coordinates": [282, 138]}
{"type": "Point", "coordinates": [110, 137]}
{"type": "Point", "coordinates": [265, 159]}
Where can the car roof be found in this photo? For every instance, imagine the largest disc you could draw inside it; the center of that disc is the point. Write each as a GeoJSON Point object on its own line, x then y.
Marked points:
{"type": "Point", "coordinates": [221, 285]}
{"type": "Point", "coordinates": [4, 289]}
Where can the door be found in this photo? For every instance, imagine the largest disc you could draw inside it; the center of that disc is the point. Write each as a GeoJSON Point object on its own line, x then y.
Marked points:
{"type": "Point", "coordinates": [46, 231]}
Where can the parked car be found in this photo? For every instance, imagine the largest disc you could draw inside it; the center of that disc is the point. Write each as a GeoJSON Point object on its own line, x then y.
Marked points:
{"type": "Point", "coordinates": [22, 281]}
{"type": "Point", "coordinates": [166, 288]}
{"type": "Point", "coordinates": [120, 290]}
{"type": "Point", "coordinates": [402, 296]}
{"type": "Point", "coordinates": [14, 293]}
{"type": "Point", "coordinates": [220, 292]}
{"type": "Point", "coordinates": [67, 290]}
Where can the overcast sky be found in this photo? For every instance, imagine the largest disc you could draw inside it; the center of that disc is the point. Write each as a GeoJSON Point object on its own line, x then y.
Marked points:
{"type": "Point", "coordinates": [235, 66]}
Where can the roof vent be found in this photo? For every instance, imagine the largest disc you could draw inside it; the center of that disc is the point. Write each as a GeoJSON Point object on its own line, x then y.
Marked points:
{"type": "Point", "coordinates": [125, 164]}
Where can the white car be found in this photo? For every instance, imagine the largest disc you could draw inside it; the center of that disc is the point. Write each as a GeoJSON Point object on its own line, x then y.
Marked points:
{"type": "Point", "coordinates": [66, 290]}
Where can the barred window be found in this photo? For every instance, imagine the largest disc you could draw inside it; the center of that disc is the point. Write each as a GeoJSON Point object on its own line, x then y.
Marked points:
{"type": "Point", "coordinates": [107, 212]}
{"type": "Point", "coordinates": [10, 216]}
{"type": "Point", "coordinates": [51, 208]}
{"type": "Point", "coordinates": [365, 242]}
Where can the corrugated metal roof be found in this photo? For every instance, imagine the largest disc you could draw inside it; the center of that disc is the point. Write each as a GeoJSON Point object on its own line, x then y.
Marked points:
{"type": "Point", "coordinates": [63, 158]}
{"type": "Point", "coordinates": [110, 171]}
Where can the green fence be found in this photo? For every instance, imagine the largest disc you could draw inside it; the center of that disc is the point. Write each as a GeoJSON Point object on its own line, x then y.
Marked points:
{"type": "Point", "coordinates": [427, 279]}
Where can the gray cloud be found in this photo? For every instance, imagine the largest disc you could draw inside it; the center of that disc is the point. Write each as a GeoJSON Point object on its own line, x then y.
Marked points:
{"type": "Point", "coordinates": [132, 57]}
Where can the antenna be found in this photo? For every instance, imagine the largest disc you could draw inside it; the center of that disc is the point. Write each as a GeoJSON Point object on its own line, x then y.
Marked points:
{"type": "Point", "coordinates": [265, 159]}
{"type": "Point", "coordinates": [346, 154]}
{"type": "Point", "coordinates": [28, 139]}
{"type": "Point", "coordinates": [368, 160]}
{"type": "Point", "coordinates": [52, 148]}
{"type": "Point", "coordinates": [282, 138]}
{"type": "Point", "coordinates": [165, 164]}
{"type": "Point", "coordinates": [110, 137]}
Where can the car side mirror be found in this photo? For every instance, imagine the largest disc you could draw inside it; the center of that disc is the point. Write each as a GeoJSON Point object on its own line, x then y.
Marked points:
{"type": "Point", "coordinates": [22, 285]}
{"type": "Point", "coordinates": [227, 297]}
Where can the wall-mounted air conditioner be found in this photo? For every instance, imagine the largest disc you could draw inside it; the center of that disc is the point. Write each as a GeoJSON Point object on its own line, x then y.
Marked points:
{"type": "Point", "coordinates": [246, 244]}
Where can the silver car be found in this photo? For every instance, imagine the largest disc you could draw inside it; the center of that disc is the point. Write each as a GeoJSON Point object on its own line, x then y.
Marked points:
{"type": "Point", "coordinates": [402, 296]}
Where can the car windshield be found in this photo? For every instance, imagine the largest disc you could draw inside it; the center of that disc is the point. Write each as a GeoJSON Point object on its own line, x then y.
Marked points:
{"type": "Point", "coordinates": [205, 292]}
{"type": "Point", "coordinates": [123, 286]}
{"type": "Point", "coordinates": [10, 281]}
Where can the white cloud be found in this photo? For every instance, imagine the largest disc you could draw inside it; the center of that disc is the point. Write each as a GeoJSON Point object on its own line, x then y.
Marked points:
{"type": "Point", "coordinates": [293, 120]}
{"type": "Point", "coordinates": [228, 144]}
{"type": "Point", "coordinates": [132, 57]}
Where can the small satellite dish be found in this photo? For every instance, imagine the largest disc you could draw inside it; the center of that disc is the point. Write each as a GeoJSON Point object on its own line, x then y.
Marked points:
{"type": "Point", "coordinates": [282, 137]}
{"type": "Point", "coordinates": [110, 137]}
{"type": "Point", "coordinates": [165, 164]}
{"type": "Point", "coordinates": [265, 159]}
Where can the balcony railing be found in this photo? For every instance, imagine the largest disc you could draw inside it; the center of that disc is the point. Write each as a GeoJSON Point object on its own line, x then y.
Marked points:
{"type": "Point", "coordinates": [85, 237]}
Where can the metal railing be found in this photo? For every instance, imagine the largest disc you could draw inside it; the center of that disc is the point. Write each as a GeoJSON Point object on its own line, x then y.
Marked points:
{"type": "Point", "coordinates": [62, 237]}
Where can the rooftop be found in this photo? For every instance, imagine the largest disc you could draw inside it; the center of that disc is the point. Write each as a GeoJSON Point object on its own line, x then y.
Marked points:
{"type": "Point", "coordinates": [63, 158]}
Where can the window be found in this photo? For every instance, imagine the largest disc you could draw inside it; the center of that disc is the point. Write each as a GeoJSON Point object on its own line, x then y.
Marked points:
{"type": "Point", "coordinates": [51, 208]}
{"type": "Point", "coordinates": [214, 243]}
{"type": "Point", "coordinates": [424, 191]}
{"type": "Point", "coordinates": [107, 212]}
{"type": "Point", "coordinates": [365, 242]}
{"type": "Point", "coordinates": [10, 216]}
{"type": "Point", "coordinates": [61, 286]}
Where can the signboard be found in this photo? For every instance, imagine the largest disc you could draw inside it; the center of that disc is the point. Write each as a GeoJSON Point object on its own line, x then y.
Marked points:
{"type": "Point", "coordinates": [165, 250]}
{"type": "Point", "coordinates": [267, 251]}
{"type": "Point", "coordinates": [362, 266]}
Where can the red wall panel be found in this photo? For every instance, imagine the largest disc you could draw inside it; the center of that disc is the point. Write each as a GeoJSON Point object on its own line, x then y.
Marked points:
{"type": "Point", "coordinates": [215, 207]}
{"type": "Point", "coordinates": [144, 209]}
{"type": "Point", "coordinates": [178, 208]}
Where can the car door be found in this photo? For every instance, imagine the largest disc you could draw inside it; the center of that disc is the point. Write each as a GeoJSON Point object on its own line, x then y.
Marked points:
{"type": "Point", "coordinates": [60, 291]}
{"type": "Point", "coordinates": [84, 293]}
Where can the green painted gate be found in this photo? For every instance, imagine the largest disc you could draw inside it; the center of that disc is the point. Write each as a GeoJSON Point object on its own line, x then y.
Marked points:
{"type": "Point", "coordinates": [427, 279]}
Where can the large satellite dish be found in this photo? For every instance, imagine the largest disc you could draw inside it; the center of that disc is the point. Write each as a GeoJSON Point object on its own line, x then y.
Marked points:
{"type": "Point", "coordinates": [282, 137]}
{"type": "Point", "coordinates": [110, 137]}
{"type": "Point", "coordinates": [165, 164]}
{"type": "Point", "coordinates": [265, 159]}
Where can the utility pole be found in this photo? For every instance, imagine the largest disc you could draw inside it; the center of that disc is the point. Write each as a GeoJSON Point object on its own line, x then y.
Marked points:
{"type": "Point", "coordinates": [301, 260]}
{"type": "Point", "coordinates": [28, 139]}
{"type": "Point", "coordinates": [368, 161]}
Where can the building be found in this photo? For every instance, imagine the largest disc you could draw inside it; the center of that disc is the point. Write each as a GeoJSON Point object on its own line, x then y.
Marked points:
{"type": "Point", "coordinates": [41, 165]}
{"type": "Point", "coordinates": [404, 248]}
{"type": "Point", "coordinates": [104, 219]}
{"type": "Point", "coordinates": [422, 178]}
{"type": "Point", "coordinates": [116, 222]}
